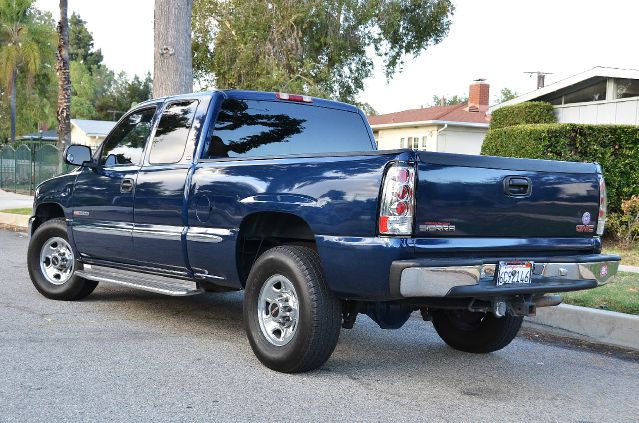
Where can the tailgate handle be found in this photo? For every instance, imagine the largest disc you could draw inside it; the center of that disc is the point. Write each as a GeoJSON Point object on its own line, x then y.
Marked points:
{"type": "Point", "coordinates": [517, 186]}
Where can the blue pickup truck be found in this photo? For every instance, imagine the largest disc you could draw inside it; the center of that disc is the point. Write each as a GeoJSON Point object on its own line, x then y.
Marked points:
{"type": "Point", "coordinates": [286, 197]}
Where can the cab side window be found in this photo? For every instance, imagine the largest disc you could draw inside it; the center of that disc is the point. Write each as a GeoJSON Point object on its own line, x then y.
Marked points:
{"type": "Point", "coordinates": [125, 143]}
{"type": "Point", "coordinates": [172, 132]}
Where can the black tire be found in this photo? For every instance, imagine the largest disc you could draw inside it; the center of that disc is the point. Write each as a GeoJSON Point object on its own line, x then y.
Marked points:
{"type": "Point", "coordinates": [475, 332]}
{"type": "Point", "coordinates": [318, 325]}
{"type": "Point", "coordinates": [75, 288]}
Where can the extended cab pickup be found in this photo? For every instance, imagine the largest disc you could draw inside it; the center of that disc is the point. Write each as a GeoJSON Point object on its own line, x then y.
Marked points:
{"type": "Point", "coordinates": [286, 197]}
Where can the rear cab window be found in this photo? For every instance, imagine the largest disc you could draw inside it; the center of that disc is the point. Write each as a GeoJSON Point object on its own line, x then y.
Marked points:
{"type": "Point", "coordinates": [261, 128]}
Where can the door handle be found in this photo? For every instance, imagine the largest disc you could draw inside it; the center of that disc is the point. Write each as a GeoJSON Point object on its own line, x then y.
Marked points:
{"type": "Point", "coordinates": [517, 186]}
{"type": "Point", "coordinates": [126, 185]}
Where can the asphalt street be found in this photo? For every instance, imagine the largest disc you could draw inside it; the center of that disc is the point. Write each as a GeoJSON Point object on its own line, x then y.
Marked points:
{"type": "Point", "coordinates": [125, 355]}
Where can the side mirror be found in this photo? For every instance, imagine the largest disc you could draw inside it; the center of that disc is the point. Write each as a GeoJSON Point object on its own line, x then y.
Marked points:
{"type": "Point", "coordinates": [77, 155]}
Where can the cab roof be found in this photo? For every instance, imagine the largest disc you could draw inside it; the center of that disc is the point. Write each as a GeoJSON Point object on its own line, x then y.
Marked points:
{"type": "Point", "coordinates": [257, 95]}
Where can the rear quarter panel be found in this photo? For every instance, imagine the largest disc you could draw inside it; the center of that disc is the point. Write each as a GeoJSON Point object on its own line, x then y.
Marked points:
{"type": "Point", "coordinates": [337, 196]}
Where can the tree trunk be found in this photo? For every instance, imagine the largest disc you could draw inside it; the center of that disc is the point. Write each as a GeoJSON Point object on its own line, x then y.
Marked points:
{"type": "Point", "coordinates": [14, 77]}
{"type": "Point", "coordinates": [64, 85]}
{"type": "Point", "coordinates": [173, 60]}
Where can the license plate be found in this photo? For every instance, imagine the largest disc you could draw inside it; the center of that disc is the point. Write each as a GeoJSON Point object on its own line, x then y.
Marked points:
{"type": "Point", "coordinates": [514, 273]}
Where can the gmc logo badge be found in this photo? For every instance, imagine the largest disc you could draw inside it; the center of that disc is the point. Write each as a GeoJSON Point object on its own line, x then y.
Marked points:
{"type": "Point", "coordinates": [585, 228]}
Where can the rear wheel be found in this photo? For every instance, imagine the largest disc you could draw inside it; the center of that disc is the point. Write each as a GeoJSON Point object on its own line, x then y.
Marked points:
{"type": "Point", "coordinates": [475, 332]}
{"type": "Point", "coordinates": [292, 319]}
{"type": "Point", "coordinates": [52, 264]}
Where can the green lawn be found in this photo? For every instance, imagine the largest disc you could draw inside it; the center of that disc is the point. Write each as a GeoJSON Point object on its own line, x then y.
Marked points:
{"type": "Point", "coordinates": [629, 256]}
{"type": "Point", "coordinates": [26, 211]}
{"type": "Point", "coordinates": [621, 295]}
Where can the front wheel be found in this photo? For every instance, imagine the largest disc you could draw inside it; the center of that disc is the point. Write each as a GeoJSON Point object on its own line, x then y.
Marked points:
{"type": "Point", "coordinates": [292, 319]}
{"type": "Point", "coordinates": [52, 264]}
{"type": "Point", "coordinates": [475, 332]}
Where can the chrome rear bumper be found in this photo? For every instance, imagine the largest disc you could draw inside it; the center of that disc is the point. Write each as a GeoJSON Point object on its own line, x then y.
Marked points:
{"type": "Point", "coordinates": [439, 278]}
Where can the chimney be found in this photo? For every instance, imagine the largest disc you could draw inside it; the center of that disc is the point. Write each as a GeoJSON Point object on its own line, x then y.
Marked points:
{"type": "Point", "coordinates": [478, 95]}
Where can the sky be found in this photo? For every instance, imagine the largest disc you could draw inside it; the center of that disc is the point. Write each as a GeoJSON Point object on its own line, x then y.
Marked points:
{"type": "Point", "coordinates": [497, 40]}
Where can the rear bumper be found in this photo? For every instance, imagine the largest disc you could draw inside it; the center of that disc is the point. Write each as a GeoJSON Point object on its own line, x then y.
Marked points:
{"type": "Point", "coordinates": [456, 278]}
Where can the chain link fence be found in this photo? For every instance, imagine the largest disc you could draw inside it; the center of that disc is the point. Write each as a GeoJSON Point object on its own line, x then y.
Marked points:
{"type": "Point", "coordinates": [23, 167]}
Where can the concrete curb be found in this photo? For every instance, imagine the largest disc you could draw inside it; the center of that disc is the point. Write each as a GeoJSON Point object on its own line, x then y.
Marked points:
{"type": "Point", "coordinates": [11, 219]}
{"type": "Point", "coordinates": [600, 326]}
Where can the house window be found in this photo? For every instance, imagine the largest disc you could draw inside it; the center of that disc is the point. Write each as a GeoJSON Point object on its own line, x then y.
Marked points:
{"type": "Point", "coordinates": [416, 143]}
{"type": "Point", "coordinates": [401, 143]}
{"type": "Point", "coordinates": [594, 92]}
{"type": "Point", "coordinates": [424, 142]}
{"type": "Point", "coordinates": [410, 142]}
{"type": "Point", "coordinates": [627, 88]}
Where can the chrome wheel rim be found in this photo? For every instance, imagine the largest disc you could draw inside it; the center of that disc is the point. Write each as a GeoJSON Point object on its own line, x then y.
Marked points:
{"type": "Point", "coordinates": [278, 310]}
{"type": "Point", "coordinates": [56, 260]}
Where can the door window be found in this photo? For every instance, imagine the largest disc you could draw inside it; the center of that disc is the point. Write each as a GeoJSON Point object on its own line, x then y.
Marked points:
{"type": "Point", "coordinates": [172, 132]}
{"type": "Point", "coordinates": [125, 143]}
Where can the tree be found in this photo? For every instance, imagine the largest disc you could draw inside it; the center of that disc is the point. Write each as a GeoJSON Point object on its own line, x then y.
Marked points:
{"type": "Point", "coordinates": [64, 83]}
{"type": "Point", "coordinates": [317, 47]}
{"type": "Point", "coordinates": [35, 99]}
{"type": "Point", "coordinates": [19, 51]}
{"type": "Point", "coordinates": [443, 101]}
{"type": "Point", "coordinates": [83, 92]}
{"type": "Point", "coordinates": [172, 62]}
{"type": "Point", "coordinates": [121, 95]}
{"type": "Point", "coordinates": [81, 44]}
{"type": "Point", "coordinates": [506, 94]}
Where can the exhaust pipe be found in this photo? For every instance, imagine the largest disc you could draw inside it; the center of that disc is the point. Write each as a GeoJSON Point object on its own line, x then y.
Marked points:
{"type": "Point", "coordinates": [547, 301]}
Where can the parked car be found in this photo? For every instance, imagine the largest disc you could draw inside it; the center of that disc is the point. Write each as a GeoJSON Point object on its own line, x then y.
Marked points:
{"type": "Point", "coordinates": [285, 197]}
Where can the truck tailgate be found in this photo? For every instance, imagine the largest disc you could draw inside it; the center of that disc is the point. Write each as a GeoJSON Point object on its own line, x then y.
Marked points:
{"type": "Point", "coordinates": [483, 196]}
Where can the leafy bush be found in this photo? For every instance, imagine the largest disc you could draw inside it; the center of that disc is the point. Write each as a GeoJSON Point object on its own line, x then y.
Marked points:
{"type": "Point", "coordinates": [614, 147]}
{"type": "Point", "coordinates": [522, 114]}
{"type": "Point", "coordinates": [630, 222]}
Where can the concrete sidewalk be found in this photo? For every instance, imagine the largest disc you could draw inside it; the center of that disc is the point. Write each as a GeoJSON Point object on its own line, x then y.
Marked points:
{"type": "Point", "coordinates": [10, 200]}
{"type": "Point", "coordinates": [631, 269]}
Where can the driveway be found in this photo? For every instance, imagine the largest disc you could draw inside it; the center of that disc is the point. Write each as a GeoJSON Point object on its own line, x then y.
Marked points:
{"type": "Point", "coordinates": [124, 355]}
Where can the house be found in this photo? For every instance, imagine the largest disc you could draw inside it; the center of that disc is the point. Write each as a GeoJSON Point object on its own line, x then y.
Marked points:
{"type": "Point", "coordinates": [599, 96]}
{"type": "Point", "coordinates": [459, 128]}
{"type": "Point", "coordinates": [90, 132]}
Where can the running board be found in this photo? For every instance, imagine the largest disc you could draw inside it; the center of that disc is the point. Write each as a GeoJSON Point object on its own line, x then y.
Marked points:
{"type": "Point", "coordinates": [144, 281]}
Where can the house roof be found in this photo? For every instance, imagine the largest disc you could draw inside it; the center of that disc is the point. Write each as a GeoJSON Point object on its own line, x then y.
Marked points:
{"type": "Point", "coordinates": [457, 114]}
{"type": "Point", "coordinates": [94, 128]}
{"type": "Point", "coordinates": [597, 71]}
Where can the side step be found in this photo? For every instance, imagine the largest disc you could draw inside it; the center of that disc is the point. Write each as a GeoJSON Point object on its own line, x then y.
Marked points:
{"type": "Point", "coordinates": [152, 283]}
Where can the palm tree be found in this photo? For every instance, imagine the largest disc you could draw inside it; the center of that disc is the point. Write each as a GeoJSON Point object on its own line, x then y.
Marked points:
{"type": "Point", "coordinates": [18, 51]}
{"type": "Point", "coordinates": [64, 84]}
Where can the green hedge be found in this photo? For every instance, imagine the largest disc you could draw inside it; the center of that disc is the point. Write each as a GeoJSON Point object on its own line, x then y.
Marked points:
{"type": "Point", "coordinates": [614, 147]}
{"type": "Point", "coordinates": [523, 114]}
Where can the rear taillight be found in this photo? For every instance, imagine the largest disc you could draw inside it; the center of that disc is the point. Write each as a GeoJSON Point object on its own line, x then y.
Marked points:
{"type": "Point", "coordinates": [603, 206]}
{"type": "Point", "coordinates": [398, 200]}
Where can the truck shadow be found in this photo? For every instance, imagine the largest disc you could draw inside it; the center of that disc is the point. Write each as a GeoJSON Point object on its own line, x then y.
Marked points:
{"type": "Point", "coordinates": [376, 359]}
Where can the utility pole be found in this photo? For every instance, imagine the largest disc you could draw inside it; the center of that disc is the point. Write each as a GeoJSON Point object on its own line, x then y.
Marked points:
{"type": "Point", "coordinates": [541, 78]}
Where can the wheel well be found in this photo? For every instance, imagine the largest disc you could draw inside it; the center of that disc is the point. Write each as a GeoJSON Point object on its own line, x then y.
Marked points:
{"type": "Point", "coordinates": [44, 212]}
{"type": "Point", "coordinates": [264, 230]}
